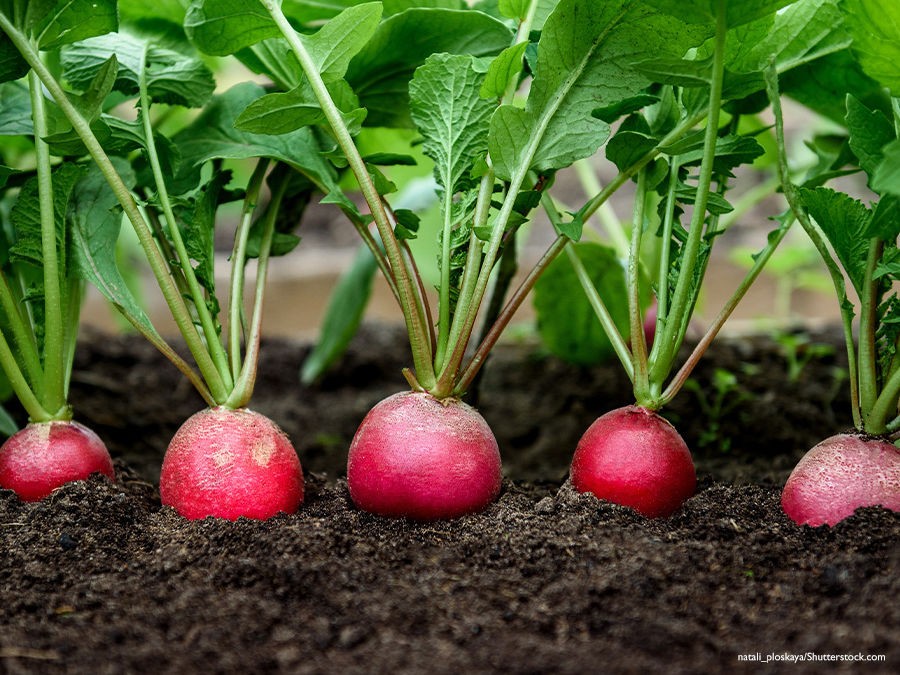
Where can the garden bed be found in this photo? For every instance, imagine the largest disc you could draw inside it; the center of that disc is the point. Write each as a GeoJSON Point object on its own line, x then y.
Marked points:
{"type": "Point", "coordinates": [99, 578]}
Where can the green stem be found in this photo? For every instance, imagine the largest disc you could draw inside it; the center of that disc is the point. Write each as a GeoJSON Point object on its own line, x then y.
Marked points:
{"type": "Point", "coordinates": [157, 264]}
{"type": "Point", "coordinates": [662, 279]}
{"type": "Point", "coordinates": [168, 253]}
{"type": "Point", "coordinates": [243, 388]}
{"type": "Point", "coordinates": [759, 263]}
{"type": "Point", "coordinates": [23, 336]}
{"type": "Point", "coordinates": [518, 297]}
{"type": "Point", "coordinates": [443, 331]}
{"type": "Point", "coordinates": [623, 177]}
{"type": "Point", "coordinates": [418, 333]}
{"type": "Point", "coordinates": [474, 286]}
{"type": "Point", "coordinates": [447, 375]}
{"type": "Point", "coordinates": [29, 401]}
{"type": "Point", "coordinates": [608, 218]}
{"type": "Point", "coordinates": [54, 352]}
{"type": "Point", "coordinates": [512, 305]}
{"type": "Point", "coordinates": [238, 262]}
{"type": "Point", "coordinates": [867, 356]}
{"type": "Point", "coordinates": [885, 406]}
{"type": "Point", "coordinates": [606, 320]}
{"type": "Point", "coordinates": [837, 277]}
{"type": "Point", "coordinates": [641, 376]}
{"type": "Point", "coordinates": [213, 342]}
{"type": "Point", "coordinates": [667, 344]}
{"type": "Point", "coordinates": [75, 297]}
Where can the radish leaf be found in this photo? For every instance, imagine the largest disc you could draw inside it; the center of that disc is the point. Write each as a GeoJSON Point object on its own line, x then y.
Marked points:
{"type": "Point", "coordinates": [846, 223]}
{"type": "Point", "coordinates": [875, 27]}
{"type": "Point", "coordinates": [176, 77]}
{"type": "Point", "coordinates": [452, 117]}
{"type": "Point", "coordinates": [381, 72]}
{"type": "Point", "coordinates": [869, 131]}
{"type": "Point", "coordinates": [213, 136]}
{"type": "Point", "coordinates": [586, 60]}
{"type": "Point", "coordinates": [222, 27]}
{"type": "Point", "coordinates": [94, 224]}
{"type": "Point", "coordinates": [566, 321]}
{"type": "Point", "coordinates": [737, 12]}
{"type": "Point", "coordinates": [886, 179]}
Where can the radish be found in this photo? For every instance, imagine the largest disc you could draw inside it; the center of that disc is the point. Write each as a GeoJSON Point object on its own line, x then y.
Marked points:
{"type": "Point", "coordinates": [45, 455]}
{"type": "Point", "coordinates": [231, 463]}
{"type": "Point", "coordinates": [226, 461]}
{"type": "Point", "coordinates": [422, 458]}
{"type": "Point", "coordinates": [858, 244]}
{"type": "Point", "coordinates": [633, 457]}
{"type": "Point", "coordinates": [838, 476]}
{"type": "Point", "coordinates": [41, 288]}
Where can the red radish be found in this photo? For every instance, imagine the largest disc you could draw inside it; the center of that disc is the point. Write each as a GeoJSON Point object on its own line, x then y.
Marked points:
{"type": "Point", "coordinates": [228, 464]}
{"type": "Point", "coordinates": [46, 455]}
{"type": "Point", "coordinates": [838, 476]}
{"type": "Point", "coordinates": [633, 457]}
{"type": "Point", "coordinates": [423, 458]}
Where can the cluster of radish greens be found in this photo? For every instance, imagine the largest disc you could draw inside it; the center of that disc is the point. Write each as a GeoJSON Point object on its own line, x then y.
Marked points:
{"type": "Point", "coordinates": [112, 119]}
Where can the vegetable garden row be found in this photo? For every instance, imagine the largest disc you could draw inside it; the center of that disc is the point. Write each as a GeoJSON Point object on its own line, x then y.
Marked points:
{"type": "Point", "coordinates": [111, 119]}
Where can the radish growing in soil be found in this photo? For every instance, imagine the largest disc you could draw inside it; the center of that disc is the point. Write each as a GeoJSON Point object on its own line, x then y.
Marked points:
{"type": "Point", "coordinates": [861, 468]}
{"type": "Point", "coordinates": [41, 287]}
{"type": "Point", "coordinates": [632, 456]}
{"type": "Point", "coordinates": [228, 461]}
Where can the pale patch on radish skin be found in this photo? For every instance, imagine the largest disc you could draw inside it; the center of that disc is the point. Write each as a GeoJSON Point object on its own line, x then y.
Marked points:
{"type": "Point", "coordinates": [231, 463]}
{"type": "Point", "coordinates": [44, 456]}
{"type": "Point", "coordinates": [838, 476]}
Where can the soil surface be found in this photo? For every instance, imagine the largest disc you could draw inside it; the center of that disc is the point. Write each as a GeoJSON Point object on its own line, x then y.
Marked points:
{"type": "Point", "coordinates": [100, 579]}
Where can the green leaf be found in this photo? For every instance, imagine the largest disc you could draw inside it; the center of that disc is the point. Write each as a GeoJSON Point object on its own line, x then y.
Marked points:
{"type": "Point", "coordinates": [886, 220]}
{"type": "Point", "coordinates": [875, 27]}
{"type": "Point", "coordinates": [731, 151]}
{"type": "Point", "coordinates": [175, 76]}
{"type": "Point", "coordinates": [53, 24]}
{"type": "Point", "coordinates": [799, 34]}
{"type": "Point", "coordinates": [451, 115]}
{"type": "Point", "coordinates": [566, 321]}
{"type": "Point", "coordinates": [586, 60]}
{"type": "Point", "coordinates": [823, 86]}
{"type": "Point", "coordinates": [26, 216]}
{"type": "Point", "coordinates": [94, 222]}
{"type": "Point", "coordinates": [737, 12]}
{"type": "Point", "coordinates": [628, 146]}
{"type": "Point", "coordinates": [213, 136]}
{"type": "Point", "coordinates": [222, 27]}
{"type": "Point", "coordinates": [846, 223]}
{"type": "Point", "coordinates": [504, 69]}
{"type": "Point", "coordinates": [338, 41]}
{"type": "Point", "coordinates": [381, 72]}
{"type": "Point", "coordinates": [135, 11]}
{"type": "Point", "coordinates": [281, 113]}
{"type": "Point", "coordinates": [285, 112]}
{"type": "Point", "coordinates": [869, 131]}
{"type": "Point", "coordinates": [886, 179]}
{"type": "Point", "coordinates": [680, 72]}
{"type": "Point", "coordinates": [5, 173]}
{"type": "Point", "coordinates": [12, 65]}
{"type": "Point", "coordinates": [15, 110]}
{"type": "Point", "coordinates": [343, 315]}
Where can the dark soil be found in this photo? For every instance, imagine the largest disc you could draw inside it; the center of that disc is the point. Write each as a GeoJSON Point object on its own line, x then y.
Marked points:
{"type": "Point", "coordinates": [100, 579]}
